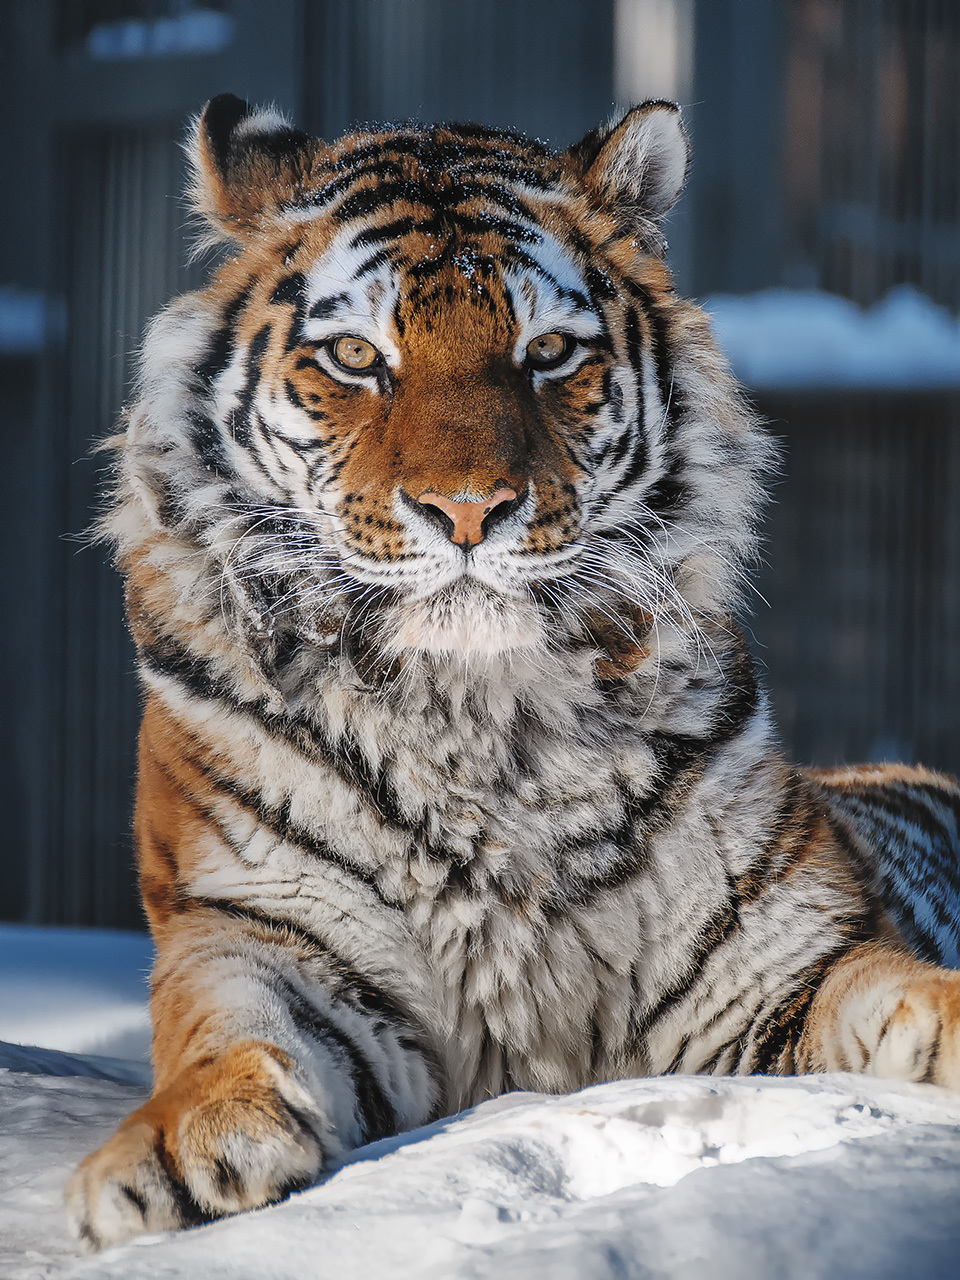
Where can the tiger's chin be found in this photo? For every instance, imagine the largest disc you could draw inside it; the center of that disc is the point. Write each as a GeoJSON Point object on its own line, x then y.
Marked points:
{"type": "Point", "coordinates": [467, 618]}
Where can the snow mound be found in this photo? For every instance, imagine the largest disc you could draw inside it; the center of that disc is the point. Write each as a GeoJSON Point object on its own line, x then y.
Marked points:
{"type": "Point", "coordinates": [785, 338]}
{"type": "Point", "coordinates": [77, 990]}
{"type": "Point", "coordinates": [830, 1176]}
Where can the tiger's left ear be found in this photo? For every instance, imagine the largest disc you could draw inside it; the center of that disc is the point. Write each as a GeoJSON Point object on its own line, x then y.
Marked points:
{"type": "Point", "coordinates": [639, 164]}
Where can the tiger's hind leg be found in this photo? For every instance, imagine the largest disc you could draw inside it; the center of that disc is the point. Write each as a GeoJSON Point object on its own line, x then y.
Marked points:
{"type": "Point", "coordinates": [882, 1013]}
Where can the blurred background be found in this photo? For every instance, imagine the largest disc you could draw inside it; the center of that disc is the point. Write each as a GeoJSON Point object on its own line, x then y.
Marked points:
{"type": "Point", "coordinates": [821, 228]}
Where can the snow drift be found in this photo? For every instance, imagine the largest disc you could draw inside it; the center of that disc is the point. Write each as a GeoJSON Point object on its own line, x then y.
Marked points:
{"type": "Point", "coordinates": [835, 1176]}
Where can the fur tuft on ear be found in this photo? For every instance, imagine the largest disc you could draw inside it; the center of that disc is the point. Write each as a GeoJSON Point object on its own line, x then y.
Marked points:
{"type": "Point", "coordinates": [638, 164]}
{"type": "Point", "coordinates": [246, 164]}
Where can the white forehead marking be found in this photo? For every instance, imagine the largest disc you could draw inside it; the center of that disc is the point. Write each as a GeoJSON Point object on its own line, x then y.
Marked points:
{"type": "Point", "coordinates": [550, 295]}
{"type": "Point", "coordinates": [552, 298]}
{"type": "Point", "coordinates": [347, 303]}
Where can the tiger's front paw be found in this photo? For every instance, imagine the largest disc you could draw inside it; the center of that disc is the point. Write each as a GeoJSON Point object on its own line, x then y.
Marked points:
{"type": "Point", "coordinates": [919, 1037]}
{"type": "Point", "coordinates": [886, 1014]}
{"type": "Point", "coordinates": [230, 1134]}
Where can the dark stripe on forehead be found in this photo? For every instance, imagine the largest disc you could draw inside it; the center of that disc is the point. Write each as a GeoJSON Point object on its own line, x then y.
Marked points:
{"type": "Point", "coordinates": [395, 230]}
{"type": "Point", "coordinates": [370, 200]}
{"type": "Point", "coordinates": [520, 258]}
{"type": "Point", "coordinates": [323, 308]}
{"type": "Point", "coordinates": [486, 223]}
{"type": "Point", "coordinates": [434, 198]}
{"type": "Point", "coordinates": [289, 290]}
{"type": "Point", "coordinates": [375, 261]}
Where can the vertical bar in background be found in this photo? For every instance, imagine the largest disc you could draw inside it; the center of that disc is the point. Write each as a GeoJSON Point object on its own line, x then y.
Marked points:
{"type": "Point", "coordinates": [736, 126]}
{"type": "Point", "coordinates": [125, 255]}
{"type": "Point", "coordinates": [653, 49]}
{"type": "Point", "coordinates": [545, 69]}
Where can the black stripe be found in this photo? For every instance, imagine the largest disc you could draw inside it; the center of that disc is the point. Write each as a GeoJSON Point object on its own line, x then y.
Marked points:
{"type": "Point", "coordinates": [222, 342]}
{"type": "Point", "coordinates": [680, 762]}
{"type": "Point", "coordinates": [671, 493]}
{"type": "Point", "coordinates": [323, 308]}
{"type": "Point", "coordinates": [670, 394]}
{"type": "Point", "coordinates": [316, 415]}
{"type": "Point", "coordinates": [638, 463]}
{"type": "Point", "coordinates": [289, 290]}
{"type": "Point", "coordinates": [395, 230]}
{"type": "Point", "coordinates": [166, 657]}
{"type": "Point", "coordinates": [867, 820]}
{"type": "Point", "coordinates": [240, 417]}
{"type": "Point", "coordinates": [718, 930]}
{"type": "Point", "coordinates": [370, 200]}
{"type": "Point", "coordinates": [781, 1029]}
{"type": "Point", "coordinates": [519, 257]}
{"type": "Point", "coordinates": [208, 443]}
{"type": "Point", "coordinates": [483, 224]}
{"type": "Point", "coordinates": [375, 261]}
{"type": "Point", "coordinates": [353, 987]}
{"type": "Point", "coordinates": [378, 1117]}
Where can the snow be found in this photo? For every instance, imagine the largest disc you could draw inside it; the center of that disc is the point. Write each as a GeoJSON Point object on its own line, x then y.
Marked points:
{"type": "Point", "coordinates": [196, 31]}
{"type": "Point", "coordinates": [782, 338]}
{"type": "Point", "coordinates": [832, 1176]}
{"type": "Point", "coordinates": [78, 990]}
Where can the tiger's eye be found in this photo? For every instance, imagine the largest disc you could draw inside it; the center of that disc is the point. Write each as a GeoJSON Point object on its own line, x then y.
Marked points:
{"type": "Point", "coordinates": [548, 349]}
{"type": "Point", "coordinates": [355, 353]}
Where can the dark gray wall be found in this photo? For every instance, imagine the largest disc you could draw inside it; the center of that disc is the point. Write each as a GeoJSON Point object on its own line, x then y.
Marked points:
{"type": "Point", "coordinates": [861, 638]}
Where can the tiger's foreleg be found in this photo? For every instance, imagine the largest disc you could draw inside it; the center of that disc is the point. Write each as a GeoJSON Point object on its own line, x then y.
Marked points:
{"type": "Point", "coordinates": [268, 1067]}
{"type": "Point", "coordinates": [882, 1013]}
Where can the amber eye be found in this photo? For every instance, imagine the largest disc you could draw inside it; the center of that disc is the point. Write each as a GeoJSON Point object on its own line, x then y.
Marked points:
{"type": "Point", "coordinates": [549, 350]}
{"type": "Point", "coordinates": [355, 354]}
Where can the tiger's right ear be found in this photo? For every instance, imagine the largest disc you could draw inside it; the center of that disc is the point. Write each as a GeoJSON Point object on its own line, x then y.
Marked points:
{"type": "Point", "coordinates": [246, 163]}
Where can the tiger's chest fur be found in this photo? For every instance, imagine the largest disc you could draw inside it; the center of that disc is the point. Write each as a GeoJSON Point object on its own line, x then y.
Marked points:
{"type": "Point", "coordinates": [537, 871]}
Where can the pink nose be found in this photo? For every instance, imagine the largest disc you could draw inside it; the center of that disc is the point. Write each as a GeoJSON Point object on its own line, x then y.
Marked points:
{"type": "Point", "coordinates": [465, 519]}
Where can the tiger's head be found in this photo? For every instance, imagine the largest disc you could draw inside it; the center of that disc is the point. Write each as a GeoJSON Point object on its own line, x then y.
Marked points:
{"type": "Point", "coordinates": [440, 398]}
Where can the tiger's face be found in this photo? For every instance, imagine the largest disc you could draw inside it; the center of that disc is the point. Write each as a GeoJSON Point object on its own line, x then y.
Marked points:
{"type": "Point", "coordinates": [436, 385]}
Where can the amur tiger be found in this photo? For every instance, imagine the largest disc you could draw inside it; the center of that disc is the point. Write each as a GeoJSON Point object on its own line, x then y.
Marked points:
{"type": "Point", "coordinates": [456, 776]}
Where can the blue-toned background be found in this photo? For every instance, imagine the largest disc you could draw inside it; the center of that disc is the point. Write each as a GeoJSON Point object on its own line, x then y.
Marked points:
{"type": "Point", "coordinates": [821, 227]}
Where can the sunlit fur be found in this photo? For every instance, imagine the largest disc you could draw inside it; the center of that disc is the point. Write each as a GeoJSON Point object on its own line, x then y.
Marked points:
{"type": "Point", "coordinates": [417, 824]}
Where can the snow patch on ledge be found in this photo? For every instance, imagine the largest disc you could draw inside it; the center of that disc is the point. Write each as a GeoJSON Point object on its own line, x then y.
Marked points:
{"type": "Point", "coordinates": [782, 339]}
{"type": "Point", "coordinates": [194, 32]}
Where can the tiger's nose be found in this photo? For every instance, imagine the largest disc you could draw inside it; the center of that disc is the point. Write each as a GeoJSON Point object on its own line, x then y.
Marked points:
{"type": "Point", "coordinates": [467, 523]}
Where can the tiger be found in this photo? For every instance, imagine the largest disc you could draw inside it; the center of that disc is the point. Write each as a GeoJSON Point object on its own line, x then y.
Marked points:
{"type": "Point", "coordinates": [436, 512]}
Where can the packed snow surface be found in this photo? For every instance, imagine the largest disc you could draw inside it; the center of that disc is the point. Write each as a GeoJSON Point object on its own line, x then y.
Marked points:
{"type": "Point", "coordinates": [830, 1176]}
{"type": "Point", "coordinates": [785, 338]}
{"type": "Point", "coordinates": [683, 1176]}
